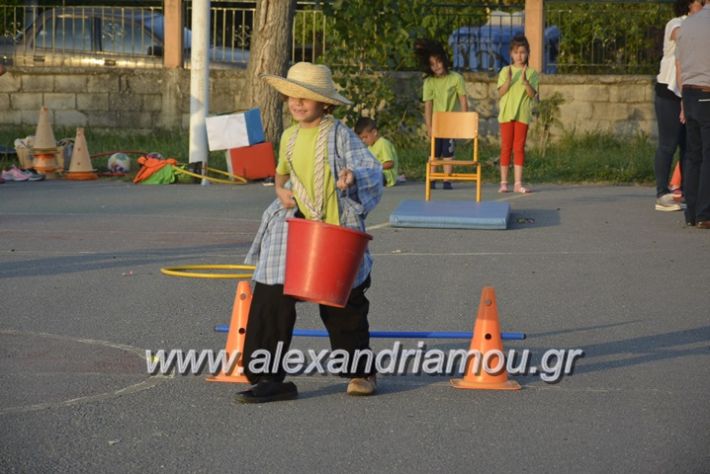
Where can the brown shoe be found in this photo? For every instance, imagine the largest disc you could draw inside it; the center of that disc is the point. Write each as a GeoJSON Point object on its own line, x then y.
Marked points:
{"type": "Point", "coordinates": [703, 225]}
{"type": "Point", "coordinates": [363, 386]}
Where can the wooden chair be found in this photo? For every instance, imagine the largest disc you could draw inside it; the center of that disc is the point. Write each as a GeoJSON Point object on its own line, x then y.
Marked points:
{"type": "Point", "coordinates": [457, 125]}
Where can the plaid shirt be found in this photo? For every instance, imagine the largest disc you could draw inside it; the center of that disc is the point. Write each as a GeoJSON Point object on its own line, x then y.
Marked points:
{"type": "Point", "coordinates": [345, 150]}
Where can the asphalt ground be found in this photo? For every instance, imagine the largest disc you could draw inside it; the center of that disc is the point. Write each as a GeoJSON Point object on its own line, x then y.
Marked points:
{"type": "Point", "coordinates": [581, 267]}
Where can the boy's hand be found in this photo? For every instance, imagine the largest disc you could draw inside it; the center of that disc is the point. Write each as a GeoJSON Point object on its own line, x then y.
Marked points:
{"type": "Point", "coordinates": [346, 178]}
{"type": "Point", "coordinates": [510, 73]}
{"type": "Point", "coordinates": [523, 76]}
{"type": "Point", "coordinates": [286, 197]}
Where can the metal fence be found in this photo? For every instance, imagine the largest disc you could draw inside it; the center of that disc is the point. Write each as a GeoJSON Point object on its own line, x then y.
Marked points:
{"type": "Point", "coordinates": [621, 37]}
{"type": "Point", "coordinates": [231, 29]}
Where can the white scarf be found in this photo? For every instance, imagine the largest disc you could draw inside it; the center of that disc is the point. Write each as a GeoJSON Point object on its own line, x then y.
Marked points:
{"type": "Point", "coordinates": [315, 206]}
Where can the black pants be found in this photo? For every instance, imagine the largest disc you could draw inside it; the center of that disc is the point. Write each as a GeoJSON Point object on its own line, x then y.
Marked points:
{"type": "Point", "coordinates": [696, 175]}
{"type": "Point", "coordinates": [272, 317]}
{"type": "Point", "coordinates": [671, 135]}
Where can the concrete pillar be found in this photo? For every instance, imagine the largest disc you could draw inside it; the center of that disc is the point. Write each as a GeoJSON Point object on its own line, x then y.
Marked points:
{"type": "Point", "coordinates": [535, 32]}
{"type": "Point", "coordinates": [199, 83]}
{"type": "Point", "coordinates": [172, 43]}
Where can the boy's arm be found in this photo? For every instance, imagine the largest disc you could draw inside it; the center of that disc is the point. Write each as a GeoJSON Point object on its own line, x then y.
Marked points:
{"type": "Point", "coordinates": [284, 195]}
{"type": "Point", "coordinates": [386, 155]}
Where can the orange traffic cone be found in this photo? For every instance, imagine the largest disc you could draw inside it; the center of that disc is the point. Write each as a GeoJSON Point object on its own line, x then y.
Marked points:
{"type": "Point", "coordinates": [486, 337]}
{"type": "Point", "coordinates": [236, 335]}
{"type": "Point", "coordinates": [676, 179]}
{"type": "Point", "coordinates": [44, 146]}
{"type": "Point", "coordinates": [80, 165]}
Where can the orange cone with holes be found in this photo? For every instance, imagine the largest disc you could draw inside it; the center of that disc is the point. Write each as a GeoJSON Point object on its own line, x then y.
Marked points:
{"type": "Point", "coordinates": [486, 338]}
{"type": "Point", "coordinates": [235, 337]}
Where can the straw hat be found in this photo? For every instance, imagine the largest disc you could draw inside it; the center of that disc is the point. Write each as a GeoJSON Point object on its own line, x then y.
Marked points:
{"type": "Point", "coordinates": [307, 81]}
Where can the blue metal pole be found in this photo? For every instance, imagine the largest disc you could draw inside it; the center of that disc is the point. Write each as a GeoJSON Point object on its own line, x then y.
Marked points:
{"type": "Point", "coordinates": [506, 336]}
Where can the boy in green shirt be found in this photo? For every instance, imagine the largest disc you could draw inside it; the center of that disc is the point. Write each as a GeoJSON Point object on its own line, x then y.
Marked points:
{"type": "Point", "coordinates": [383, 149]}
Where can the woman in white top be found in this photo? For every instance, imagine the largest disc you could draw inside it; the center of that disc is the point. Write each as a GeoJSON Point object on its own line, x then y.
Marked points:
{"type": "Point", "coordinates": [671, 132]}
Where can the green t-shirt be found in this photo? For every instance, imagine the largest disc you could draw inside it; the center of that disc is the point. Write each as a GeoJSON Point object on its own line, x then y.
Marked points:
{"type": "Point", "coordinates": [385, 151]}
{"type": "Point", "coordinates": [444, 91]}
{"type": "Point", "coordinates": [516, 104]}
{"type": "Point", "coordinates": [303, 163]}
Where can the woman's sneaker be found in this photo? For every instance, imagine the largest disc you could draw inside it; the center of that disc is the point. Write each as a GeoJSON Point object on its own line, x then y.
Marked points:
{"type": "Point", "coordinates": [32, 175]}
{"type": "Point", "coordinates": [14, 174]}
{"type": "Point", "coordinates": [667, 203]}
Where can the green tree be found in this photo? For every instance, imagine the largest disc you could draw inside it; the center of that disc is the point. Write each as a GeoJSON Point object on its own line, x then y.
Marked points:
{"type": "Point", "coordinates": [609, 37]}
{"type": "Point", "coordinates": [547, 113]}
{"type": "Point", "coordinates": [269, 55]}
{"type": "Point", "coordinates": [369, 42]}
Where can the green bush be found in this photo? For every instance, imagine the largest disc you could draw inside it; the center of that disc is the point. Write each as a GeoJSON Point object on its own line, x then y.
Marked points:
{"type": "Point", "coordinates": [575, 158]}
{"type": "Point", "coordinates": [170, 144]}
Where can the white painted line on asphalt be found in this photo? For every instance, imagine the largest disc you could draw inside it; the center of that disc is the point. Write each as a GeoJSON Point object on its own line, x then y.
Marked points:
{"type": "Point", "coordinates": [150, 382]}
{"type": "Point", "coordinates": [378, 226]}
{"type": "Point", "coordinates": [402, 253]}
{"type": "Point", "coordinates": [110, 214]}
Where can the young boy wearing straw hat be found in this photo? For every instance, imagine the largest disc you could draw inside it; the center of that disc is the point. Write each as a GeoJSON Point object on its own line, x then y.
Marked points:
{"type": "Point", "coordinates": [325, 173]}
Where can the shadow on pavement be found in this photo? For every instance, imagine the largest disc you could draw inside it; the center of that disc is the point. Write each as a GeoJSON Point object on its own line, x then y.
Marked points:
{"type": "Point", "coordinates": [106, 260]}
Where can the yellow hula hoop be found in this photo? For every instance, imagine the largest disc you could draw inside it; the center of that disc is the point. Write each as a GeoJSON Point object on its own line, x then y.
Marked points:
{"type": "Point", "coordinates": [182, 271]}
{"type": "Point", "coordinates": [239, 179]}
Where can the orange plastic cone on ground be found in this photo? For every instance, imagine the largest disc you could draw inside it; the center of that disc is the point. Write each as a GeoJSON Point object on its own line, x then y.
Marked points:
{"type": "Point", "coordinates": [486, 337]}
{"type": "Point", "coordinates": [44, 146]}
{"type": "Point", "coordinates": [676, 179]}
{"type": "Point", "coordinates": [80, 165]}
{"type": "Point", "coordinates": [236, 335]}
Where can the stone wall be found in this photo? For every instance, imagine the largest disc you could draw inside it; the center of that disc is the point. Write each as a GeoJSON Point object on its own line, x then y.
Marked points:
{"type": "Point", "coordinates": [620, 105]}
{"type": "Point", "coordinates": [128, 99]}
{"type": "Point", "coordinates": [144, 99]}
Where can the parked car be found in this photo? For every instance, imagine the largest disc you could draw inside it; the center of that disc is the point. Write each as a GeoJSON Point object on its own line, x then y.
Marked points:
{"type": "Point", "coordinates": [487, 47]}
{"type": "Point", "coordinates": [103, 36]}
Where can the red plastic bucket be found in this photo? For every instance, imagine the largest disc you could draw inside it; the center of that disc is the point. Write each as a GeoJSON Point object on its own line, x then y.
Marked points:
{"type": "Point", "coordinates": [322, 261]}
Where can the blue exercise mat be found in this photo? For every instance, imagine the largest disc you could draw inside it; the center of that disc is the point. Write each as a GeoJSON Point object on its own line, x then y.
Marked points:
{"type": "Point", "coordinates": [451, 214]}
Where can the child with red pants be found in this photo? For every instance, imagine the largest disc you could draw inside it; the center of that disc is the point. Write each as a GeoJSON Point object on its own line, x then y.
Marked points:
{"type": "Point", "coordinates": [517, 89]}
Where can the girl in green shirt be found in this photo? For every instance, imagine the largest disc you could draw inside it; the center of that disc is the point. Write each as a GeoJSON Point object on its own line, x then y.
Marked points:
{"type": "Point", "coordinates": [443, 91]}
{"type": "Point", "coordinates": [517, 88]}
